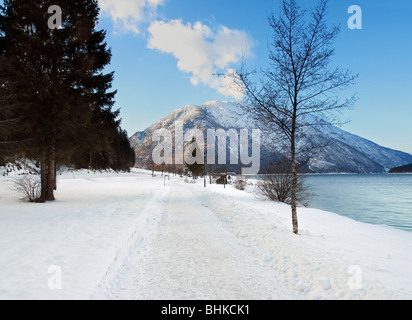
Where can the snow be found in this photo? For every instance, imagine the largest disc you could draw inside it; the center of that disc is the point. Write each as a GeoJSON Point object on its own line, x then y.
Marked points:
{"type": "Point", "coordinates": [344, 152]}
{"type": "Point", "coordinates": [194, 257]}
{"type": "Point", "coordinates": [20, 167]}
{"type": "Point", "coordinates": [127, 236]}
{"type": "Point", "coordinates": [81, 232]}
{"type": "Point", "coordinates": [318, 261]}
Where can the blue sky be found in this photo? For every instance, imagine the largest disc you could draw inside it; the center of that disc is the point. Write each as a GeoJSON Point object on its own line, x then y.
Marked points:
{"type": "Point", "coordinates": [166, 51]}
{"type": "Point", "coordinates": [151, 84]}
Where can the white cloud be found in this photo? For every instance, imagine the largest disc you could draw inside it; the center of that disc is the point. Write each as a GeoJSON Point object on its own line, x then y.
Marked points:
{"type": "Point", "coordinates": [201, 51]}
{"type": "Point", "coordinates": [127, 14]}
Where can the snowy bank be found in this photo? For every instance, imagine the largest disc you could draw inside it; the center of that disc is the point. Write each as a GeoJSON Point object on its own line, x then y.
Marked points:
{"type": "Point", "coordinates": [334, 257]}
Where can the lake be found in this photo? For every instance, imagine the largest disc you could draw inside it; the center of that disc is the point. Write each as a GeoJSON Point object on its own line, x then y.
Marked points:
{"type": "Point", "coordinates": [370, 198]}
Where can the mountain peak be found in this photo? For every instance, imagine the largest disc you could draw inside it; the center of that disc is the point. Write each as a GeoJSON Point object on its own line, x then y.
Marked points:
{"type": "Point", "coordinates": [344, 152]}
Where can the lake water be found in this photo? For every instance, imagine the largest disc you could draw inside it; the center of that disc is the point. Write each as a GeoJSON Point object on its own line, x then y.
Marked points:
{"type": "Point", "coordinates": [377, 199]}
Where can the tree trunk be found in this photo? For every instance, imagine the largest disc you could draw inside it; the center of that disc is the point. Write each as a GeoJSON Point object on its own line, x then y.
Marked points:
{"type": "Point", "coordinates": [43, 179]}
{"type": "Point", "coordinates": [293, 197]}
{"type": "Point", "coordinates": [294, 179]}
{"type": "Point", "coordinates": [51, 171]}
{"type": "Point", "coordinates": [55, 175]}
{"type": "Point", "coordinates": [48, 174]}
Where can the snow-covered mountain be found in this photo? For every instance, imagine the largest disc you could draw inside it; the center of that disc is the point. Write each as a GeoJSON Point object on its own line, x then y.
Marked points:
{"type": "Point", "coordinates": [343, 151]}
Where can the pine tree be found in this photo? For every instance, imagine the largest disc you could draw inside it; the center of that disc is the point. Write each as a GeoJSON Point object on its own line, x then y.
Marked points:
{"type": "Point", "coordinates": [122, 155]}
{"type": "Point", "coordinates": [61, 91]}
{"type": "Point", "coordinates": [197, 168]}
{"type": "Point", "coordinates": [12, 141]}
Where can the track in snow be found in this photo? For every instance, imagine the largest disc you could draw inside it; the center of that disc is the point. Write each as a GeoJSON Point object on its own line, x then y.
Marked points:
{"type": "Point", "coordinates": [191, 256]}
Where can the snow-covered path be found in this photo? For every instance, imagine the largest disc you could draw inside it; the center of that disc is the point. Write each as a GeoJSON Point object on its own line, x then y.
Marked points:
{"type": "Point", "coordinates": [127, 236]}
{"type": "Point", "coordinates": [194, 257]}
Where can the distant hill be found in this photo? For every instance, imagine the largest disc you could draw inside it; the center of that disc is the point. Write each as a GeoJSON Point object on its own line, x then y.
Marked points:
{"type": "Point", "coordinates": [344, 152]}
{"type": "Point", "coordinates": [403, 169]}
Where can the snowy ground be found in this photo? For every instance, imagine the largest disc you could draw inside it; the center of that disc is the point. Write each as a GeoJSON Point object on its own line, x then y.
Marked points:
{"type": "Point", "coordinates": [126, 236]}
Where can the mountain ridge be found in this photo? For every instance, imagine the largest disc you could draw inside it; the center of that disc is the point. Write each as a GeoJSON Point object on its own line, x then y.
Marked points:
{"type": "Point", "coordinates": [344, 152]}
{"type": "Point", "coordinates": [403, 169]}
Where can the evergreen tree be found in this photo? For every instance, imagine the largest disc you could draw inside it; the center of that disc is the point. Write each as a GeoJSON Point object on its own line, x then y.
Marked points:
{"type": "Point", "coordinates": [123, 156]}
{"type": "Point", "coordinates": [197, 168]}
{"type": "Point", "coordinates": [12, 141]}
{"type": "Point", "coordinates": [120, 156]}
{"type": "Point", "coordinates": [57, 84]}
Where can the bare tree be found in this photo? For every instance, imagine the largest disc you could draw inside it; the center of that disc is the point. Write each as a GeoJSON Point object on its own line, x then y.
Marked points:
{"type": "Point", "coordinates": [276, 185]}
{"type": "Point", "coordinates": [299, 89]}
{"type": "Point", "coordinates": [29, 187]}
